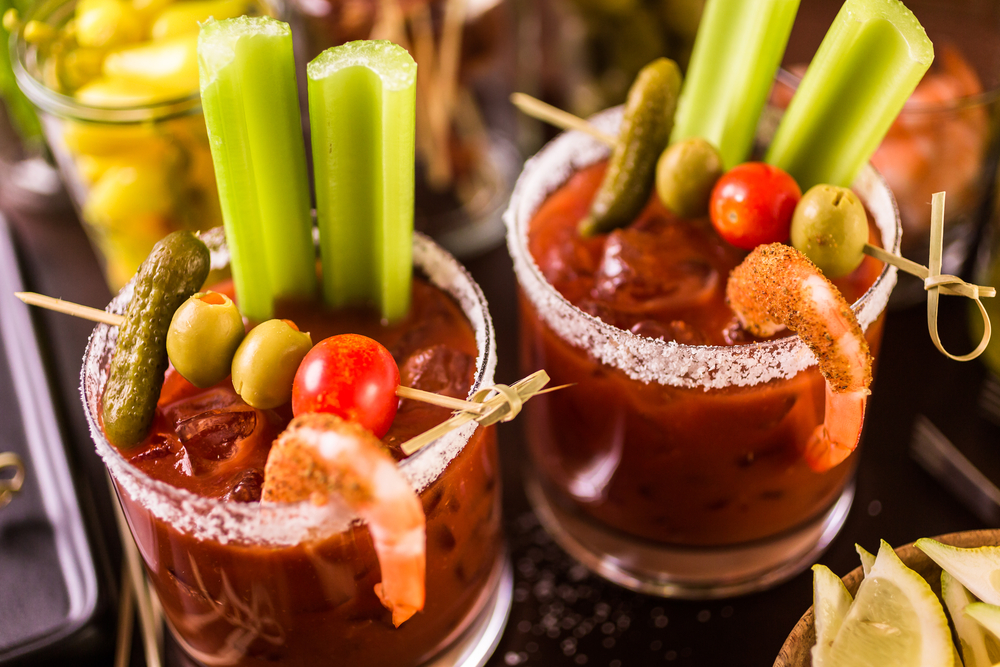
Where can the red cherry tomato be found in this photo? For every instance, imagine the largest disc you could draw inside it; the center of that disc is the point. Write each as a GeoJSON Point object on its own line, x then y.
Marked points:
{"type": "Point", "coordinates": [351, 376]}
{"type": "Point", "coordinates": [753, 204]}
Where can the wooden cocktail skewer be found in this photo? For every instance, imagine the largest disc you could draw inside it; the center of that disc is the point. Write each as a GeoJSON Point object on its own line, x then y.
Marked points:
{"type": "Point", "coordinates": [111, 319]}
{"type": "Point", "coordinates": [542, 111]}
{"type": "Point", "coordinates": [126, 617]}
{"type": "Point", "coordinates": [935, 282]}
{"type": "Point", "coordinates": [70, 308]}
{"type": "Point", "coordinates": [132, 563]}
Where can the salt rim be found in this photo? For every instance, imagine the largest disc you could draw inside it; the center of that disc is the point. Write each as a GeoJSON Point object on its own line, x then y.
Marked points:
{"type": "Point", "coordinates": [392, 64]}
{"type": "Point", "coordinates": [281, 524]}
{"type": "Point", "coordinates": [650, 360]}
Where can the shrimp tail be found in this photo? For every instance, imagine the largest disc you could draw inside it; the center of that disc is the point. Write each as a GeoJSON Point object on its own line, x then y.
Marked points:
{"type": "Point", "coordinates": [321, 455]}
{"type": "Point", "coordinates": [831, 444]}
{"type": "Point", "coordinates": [776, 286]}
{"type": "Point", "coordinates": [401, 553]}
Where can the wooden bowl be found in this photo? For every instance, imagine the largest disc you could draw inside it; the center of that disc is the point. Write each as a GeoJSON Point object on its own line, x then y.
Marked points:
{"type": "Point", "coordinates": [796, 650]}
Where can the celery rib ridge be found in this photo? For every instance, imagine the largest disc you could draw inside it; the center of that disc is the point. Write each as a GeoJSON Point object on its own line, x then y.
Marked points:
{"type": "Point", "coordinates": [361, 109]}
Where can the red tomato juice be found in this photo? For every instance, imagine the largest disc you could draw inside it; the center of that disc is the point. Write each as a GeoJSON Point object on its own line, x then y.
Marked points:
{"type": "Point", "coordinates": [314, 603]}
{"type": "Point", "coordinates": [672, 465]}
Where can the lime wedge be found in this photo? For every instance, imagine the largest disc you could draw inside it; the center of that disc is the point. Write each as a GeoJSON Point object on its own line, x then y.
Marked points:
{"type": "Point", "coordinates": [971, 637]}
{"type": "Point", "coordinates": [987, 615]}
{"type": "Point", "coordinates": [977, 569]}
{"type": "Point", "coordinates": [895, 621]}
{"type": "Point", "coordinates": [831, 602]}
{"type": "Point", "coordinates": [867, 558]}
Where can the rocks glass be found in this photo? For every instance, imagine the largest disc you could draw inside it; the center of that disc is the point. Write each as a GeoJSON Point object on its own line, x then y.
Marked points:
{"type": "Point", "coordinates": [290, 584]}
{"type": "Point", "coordinates": [676, 469]}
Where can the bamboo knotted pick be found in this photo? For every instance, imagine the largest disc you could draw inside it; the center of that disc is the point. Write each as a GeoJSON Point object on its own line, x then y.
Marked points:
{"type": "Point", "coordinates": [486, 407]}
{"type": "Point", "coordinates": [935, 282]}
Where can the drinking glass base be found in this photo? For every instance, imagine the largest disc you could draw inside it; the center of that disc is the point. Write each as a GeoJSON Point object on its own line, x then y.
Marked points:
{"type": "Point", "coordinates": [691, 573]}
{"type": "Point", "coordinates": [478, 642]}
{"type": "Point", "coordinates": [473, 648]}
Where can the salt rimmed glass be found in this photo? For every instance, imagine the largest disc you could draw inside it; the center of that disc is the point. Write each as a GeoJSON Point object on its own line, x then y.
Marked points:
{"type": "Point", "coordinates": [624, 432]}
{"type": "Point", "coordinates": [240, 584]}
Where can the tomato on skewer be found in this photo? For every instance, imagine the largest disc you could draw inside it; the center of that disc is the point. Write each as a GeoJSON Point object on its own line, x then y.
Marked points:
{"type": "Point", "coordinates": [752, 204]}
{"type": "Point", "coordinates": [351, 376]}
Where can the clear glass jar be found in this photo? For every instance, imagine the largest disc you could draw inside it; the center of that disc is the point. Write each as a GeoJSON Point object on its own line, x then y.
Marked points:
{"type": "Point", "coordinates": [465, 51]}
{"type": "Point", "coordinates": [135, 171]}
{"type": "Point", "coordinates": [291, 584]}
{"type": "Point", "coordinates": [676, 469]}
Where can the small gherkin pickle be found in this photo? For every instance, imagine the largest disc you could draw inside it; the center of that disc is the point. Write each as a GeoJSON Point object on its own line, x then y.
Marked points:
{"type": "Point", "coordinates": [645, 131]}
{"type": "Point", "coordinates": [265, 363]}
{"type": "Point", "coordinates": [203, 336]}
{"type": "Point", "coordinates": [175, 268]}
{"type": "Point", "coordinates": [685, 175]}
{"type": "Point", "coordinates": [830, 227]}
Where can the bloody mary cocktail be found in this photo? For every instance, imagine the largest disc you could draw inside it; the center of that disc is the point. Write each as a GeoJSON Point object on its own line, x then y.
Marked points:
{"type": "Point", "coordinates": [243, 582]}
{"type": "Point", "coordinates": [674, 465]}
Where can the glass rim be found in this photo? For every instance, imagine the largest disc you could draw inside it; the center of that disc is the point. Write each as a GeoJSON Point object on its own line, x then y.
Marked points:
{"type": "Point", "coordinates": [284, 524]}
{"type": "Point", "coordinates": [651, 360]}
{"type": "Point", "coordinates": [792, 80]}
{"type": "Point", "coordinates": [25, 66]}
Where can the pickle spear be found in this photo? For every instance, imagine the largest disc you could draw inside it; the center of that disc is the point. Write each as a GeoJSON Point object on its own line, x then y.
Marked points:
{"type": "Point", "coordinates": [645, 131]}
{"type": "Point", "coordinates": [174, 270]}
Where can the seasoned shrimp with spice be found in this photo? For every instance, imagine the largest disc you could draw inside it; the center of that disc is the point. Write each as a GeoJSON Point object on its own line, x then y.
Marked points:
{"type": "Point", "coordinates": [776, 286]}
{"type": "Point", "coordinates": [321, 455]}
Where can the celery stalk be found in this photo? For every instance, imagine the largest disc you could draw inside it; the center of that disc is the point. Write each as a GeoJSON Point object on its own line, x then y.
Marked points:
{"type": "Point", "coordinates": [736, 54]}
{"type": "Point", "coordinates": [251, 107]}
{"type": "Point", "coordinates": [362, 100]}
{"type": "Point", "coordinates": [869, 63]}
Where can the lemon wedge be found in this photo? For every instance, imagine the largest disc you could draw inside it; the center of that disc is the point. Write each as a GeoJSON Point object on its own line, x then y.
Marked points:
{"type": "Point", "coordinates": [971, 637]}
{"type": "Point", "coordinates": [831, 602]}
{"type": "Point", "coordinates": [977, 569]}
{"type": "Point", "coordinates": [987, 615]}
{"type": "Point", "coordinates": [896, 621]}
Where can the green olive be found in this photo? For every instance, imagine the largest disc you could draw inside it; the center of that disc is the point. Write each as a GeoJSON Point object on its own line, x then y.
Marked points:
{"type": "Point", "coordinates": [266, 361]}
{"type": "Point", "coordinates": [203, 336]}
{"type": "Point", "coordinates": [685, 175]}
{"type": "Point", "coordinates": [830, 227]}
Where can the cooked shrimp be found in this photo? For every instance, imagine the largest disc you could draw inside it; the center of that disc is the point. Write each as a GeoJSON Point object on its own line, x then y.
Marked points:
{"type": "Point", "coordinates": [776, 286]}
{"type": "Point", "coordinates": [320, 455]}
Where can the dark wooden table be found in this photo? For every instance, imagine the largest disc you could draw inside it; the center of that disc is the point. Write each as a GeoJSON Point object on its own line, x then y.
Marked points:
{"type": "Point", "coordinates": [562, 615]}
